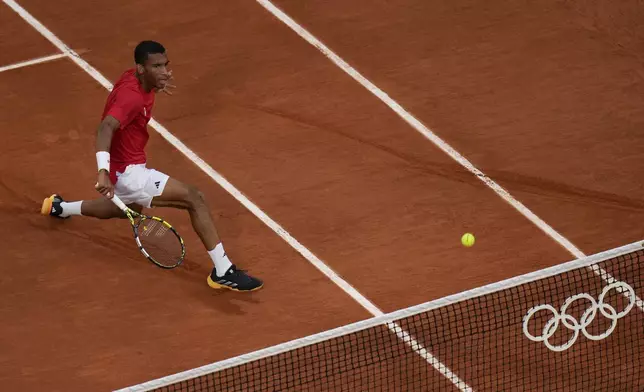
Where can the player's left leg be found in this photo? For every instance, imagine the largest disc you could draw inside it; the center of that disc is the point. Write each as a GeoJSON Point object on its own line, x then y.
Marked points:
{"type": "Point", "coordinates": [176, 194]}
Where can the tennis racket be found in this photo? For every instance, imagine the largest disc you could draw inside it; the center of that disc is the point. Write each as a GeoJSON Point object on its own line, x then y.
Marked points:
{"type": "Point", "coordinates": [157, 240]}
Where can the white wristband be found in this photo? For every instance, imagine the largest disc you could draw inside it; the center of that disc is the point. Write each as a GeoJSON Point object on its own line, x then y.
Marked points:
{"type": "Point", "coordinates": [103, 160]}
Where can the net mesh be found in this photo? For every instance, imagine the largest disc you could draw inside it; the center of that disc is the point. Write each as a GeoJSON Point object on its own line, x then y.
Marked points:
{"type": "Point", "coordinates": [481, 340]}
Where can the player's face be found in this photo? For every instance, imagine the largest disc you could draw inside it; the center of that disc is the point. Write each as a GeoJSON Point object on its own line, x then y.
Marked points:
{"type": "Point", "coordinates": [156, 71]}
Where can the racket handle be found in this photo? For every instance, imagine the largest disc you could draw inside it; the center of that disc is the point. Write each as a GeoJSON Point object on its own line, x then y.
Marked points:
{"type": "Point", "coordinates": [115, 199]}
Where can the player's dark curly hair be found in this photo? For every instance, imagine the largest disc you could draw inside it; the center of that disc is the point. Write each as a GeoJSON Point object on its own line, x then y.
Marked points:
{"type": "Point", "coordinates": [145, 48]}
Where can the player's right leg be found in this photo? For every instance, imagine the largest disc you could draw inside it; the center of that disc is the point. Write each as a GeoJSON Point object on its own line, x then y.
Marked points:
{"type": "Point", "coordinates": [100, 208]}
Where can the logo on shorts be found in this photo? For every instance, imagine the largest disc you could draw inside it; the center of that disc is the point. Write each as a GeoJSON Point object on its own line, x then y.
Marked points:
{"type": "Point", "coordinates": [157, 183]}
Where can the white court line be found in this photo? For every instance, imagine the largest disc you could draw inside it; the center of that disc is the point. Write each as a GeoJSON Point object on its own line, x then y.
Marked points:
{"type": "Point", "coordinates": [306, 253]}
{"type": "Point", "coordinates": [32, 62]}
{"type": "Point", "coordinates": [440, 143]}
{"type": "Point", "coordinates": [416, 124]}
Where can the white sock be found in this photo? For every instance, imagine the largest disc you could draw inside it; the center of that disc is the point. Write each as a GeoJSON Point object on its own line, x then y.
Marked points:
{"type": "Point", "coordinates": [220, 259]}
{"type": "Point", "coordinates": [71, 208]}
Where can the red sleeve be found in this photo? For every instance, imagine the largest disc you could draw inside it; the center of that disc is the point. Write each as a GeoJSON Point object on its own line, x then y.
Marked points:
{"type": "Point", "coordinates": [127, 104]}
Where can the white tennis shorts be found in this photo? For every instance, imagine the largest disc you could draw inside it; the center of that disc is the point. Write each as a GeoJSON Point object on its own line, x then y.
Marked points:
{"type": "Point", "coordinates": [139, 185]}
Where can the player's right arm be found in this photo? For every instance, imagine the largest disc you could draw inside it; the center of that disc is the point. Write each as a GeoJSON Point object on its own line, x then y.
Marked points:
{"type": "Point", "coordinates": [106, 130]}
{"type": "Point", "coordinates": [125, 106]}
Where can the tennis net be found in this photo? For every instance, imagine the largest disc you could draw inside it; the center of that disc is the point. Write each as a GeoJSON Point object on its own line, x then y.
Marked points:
{"type": "Point", "coordinates": [574, 327]}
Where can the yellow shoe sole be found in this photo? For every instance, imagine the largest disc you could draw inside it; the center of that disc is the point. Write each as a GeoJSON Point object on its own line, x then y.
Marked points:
{"type": "Point", "coordinates": [46, 205]}
{"type": "Point", "coordinates": [216, 286]}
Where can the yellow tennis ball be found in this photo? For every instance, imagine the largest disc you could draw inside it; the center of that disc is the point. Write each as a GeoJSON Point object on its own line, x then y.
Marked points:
{"type": "Point", "coordinates": [467, 239]}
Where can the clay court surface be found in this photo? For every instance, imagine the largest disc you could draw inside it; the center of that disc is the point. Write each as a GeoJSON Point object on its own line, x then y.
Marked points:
{"type": "Point", "coordinates": [546, 98]}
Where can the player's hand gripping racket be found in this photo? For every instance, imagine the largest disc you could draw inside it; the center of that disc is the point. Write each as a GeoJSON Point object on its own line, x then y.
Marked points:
{"type": "Point", "coordinates": [157, 240]}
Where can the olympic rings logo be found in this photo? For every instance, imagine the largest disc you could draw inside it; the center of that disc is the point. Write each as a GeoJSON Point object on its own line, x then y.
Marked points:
{"type": "Point", "coordinates": [587, 317]}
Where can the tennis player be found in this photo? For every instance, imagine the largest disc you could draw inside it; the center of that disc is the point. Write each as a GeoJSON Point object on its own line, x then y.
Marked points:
{"type": "Point", "coordinates": [121, 159]}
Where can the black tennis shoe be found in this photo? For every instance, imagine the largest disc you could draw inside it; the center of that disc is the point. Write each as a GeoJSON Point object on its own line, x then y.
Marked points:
{"type": "Point", "coordinates": [234, 279]}
{"type": "Point", "coordinates": [51, 206]}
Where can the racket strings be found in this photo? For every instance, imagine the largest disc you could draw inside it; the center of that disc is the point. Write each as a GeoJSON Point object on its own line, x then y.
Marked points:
{"type": "Point", "coordinates": [160, 242]}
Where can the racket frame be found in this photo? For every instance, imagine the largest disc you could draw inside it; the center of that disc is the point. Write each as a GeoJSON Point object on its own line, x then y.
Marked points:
{"type": "Point", "coordinates": [131, 214]}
